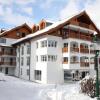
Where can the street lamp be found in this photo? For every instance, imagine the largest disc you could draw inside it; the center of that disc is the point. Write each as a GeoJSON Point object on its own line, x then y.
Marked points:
{"type": "Point", "coordinates": [97, 76]}
{"type": "Point", "coordinates": [95, 39]}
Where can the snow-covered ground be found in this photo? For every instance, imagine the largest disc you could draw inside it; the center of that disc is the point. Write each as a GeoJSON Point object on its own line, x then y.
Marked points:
{"type": "Point", "coordinates": [17, 89]}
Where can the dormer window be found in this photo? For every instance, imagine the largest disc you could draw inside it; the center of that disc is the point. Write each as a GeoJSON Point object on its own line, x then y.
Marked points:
{"type": "Point", "coordinates": [23, 34]}
{"type": "Point", "coordinates": [18, 34]}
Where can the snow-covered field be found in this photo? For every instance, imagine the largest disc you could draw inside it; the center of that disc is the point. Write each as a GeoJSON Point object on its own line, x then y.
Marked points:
{"type": "Point", "coordinates": [17, 89]}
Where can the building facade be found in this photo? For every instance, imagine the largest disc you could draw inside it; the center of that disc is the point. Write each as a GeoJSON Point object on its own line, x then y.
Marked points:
{"type": "Point", "coordinates": [58, 53]}
{"type": "Point", "coordinates": [7, 51]}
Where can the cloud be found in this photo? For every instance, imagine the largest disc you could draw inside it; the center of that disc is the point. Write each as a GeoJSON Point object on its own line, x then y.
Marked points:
{"type": "Point", "coordinates": [9, 17]}
{"type": "Point", "coordinates": [91, 6]}
{"type": "Point", "coordinates": [70, 9]}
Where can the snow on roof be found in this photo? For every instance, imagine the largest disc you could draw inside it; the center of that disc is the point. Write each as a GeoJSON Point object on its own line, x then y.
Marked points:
{"type": "Point", "coordinates": [5, 45]}
{"type": "Point", "coordinates": [43, 30]}
{"type": "Point", "coordinates": [54, 25]}
{"type": "Point", "coordinates": [12, 28]}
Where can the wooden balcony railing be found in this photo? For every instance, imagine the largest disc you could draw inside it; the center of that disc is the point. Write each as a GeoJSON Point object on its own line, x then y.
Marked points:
{"type": "Point", "coordinates": [74, 49]}
{"type": "Point", "coordinates": [84, 50]}
{"type": "Point", "coordinates": [80, 36]}
{"type": "Point", "coordinates": [65, 49]}
{"type": "Point", "coordinates": [8, 53]}
{"type": "Point", "coordinates": [84, 64]}
{"type": "Point", "coordinates": [65, 62]}
{"type": "Point", "coordinates": [74, 62]}
{"type": "Point", "coordinates": [8, 63]}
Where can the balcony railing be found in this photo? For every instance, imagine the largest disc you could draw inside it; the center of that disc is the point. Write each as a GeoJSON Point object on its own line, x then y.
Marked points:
{"type": "Point", "coordinates": [84, 50]}
{"type": "Point", "coordinates": [84, 64]}
{"type": "Point", "coordinates": [8, 63]}
{"type": "Point", "coordinates": [8, 53]}
{"type": "Point", "coordinates": [74, 49]}
{"type": "Point", "coordinates": [65, 49]}
{"type": "Point", "coordinates": [74, 62]}
{"type": "Point", "coordinates": [65, 62]}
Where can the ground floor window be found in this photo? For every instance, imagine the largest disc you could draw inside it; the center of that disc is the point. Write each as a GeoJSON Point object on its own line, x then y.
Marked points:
{"type": "Point", "coordinates": [37, 74]}
{"type": "Point", "coordinates": [0, 69]}
{"type": "Point", "coordinates": [28, 72]}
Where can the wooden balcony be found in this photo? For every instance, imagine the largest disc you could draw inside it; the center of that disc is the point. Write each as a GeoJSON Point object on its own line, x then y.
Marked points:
{"type": "Point", "coordinates": [8, 63]}
{"type": "Point", "coordinates": [65, 49]}
{"type": "Point", "coordinates": [80, 36]}
{"type": "Point", "coordinates": [65, 62]}
{"type": "Point", "coordinates": [74, 49]}
{"type": "Point", "coordinates": [74, 62]}
{"type": "Point", "coordinates": [84, 50]}
{"type": "Point", "coordinates": [8, 53]}
{"type": "Point", "coordinates": [84, 64]}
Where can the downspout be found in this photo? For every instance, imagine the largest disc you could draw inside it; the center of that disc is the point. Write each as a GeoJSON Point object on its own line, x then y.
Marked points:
{"type": "Point", "coordinates": [19, 63]}
{"type": "Point", "coordinates": [30, 63]}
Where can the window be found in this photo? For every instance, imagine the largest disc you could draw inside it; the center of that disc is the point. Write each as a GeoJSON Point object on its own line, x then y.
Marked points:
{"type": "Point", "coordinates": [48, 57]}
{"type": "Point", "coordinates": [37, 75]}
{"type": "Point", "coordinates": [21, 71]}
{"type": "Point", "coordinates": [18, 33]}
{"type": "Point", "coordinates": [44, 43]}
{"type": "Point", "coordinates": [28, 61]}
{"type": "Point", "coordinates": [22, 50]}
{"type": "Point", "coordinates": [2, 40]}
{"type": "Point", "coordinates": [43, 58]}
{"type": "Point", "coordinates": [36, 44]}
{"type": "Point", "coordinates": [22, 61]}
{"type": "Point", "coordinates": [0, 69]}
{"type": "Point", "coordinates": [65, 59]}
{"type": "Point", "coordinates": [52, 43]}
{"type": "Point", "coordinates": [28, 49]}
{"type": "Point", "coordinates": [28, 72]}
{"type": "Point", "coordinates": [65, 44]}
{"type": "Point", "coordinates": [23, 34]}
{"type": "Point", "coordinates": [37, 58]}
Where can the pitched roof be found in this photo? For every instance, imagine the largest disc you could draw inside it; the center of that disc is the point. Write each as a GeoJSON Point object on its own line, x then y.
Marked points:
{"type": "Point", "coordinates": [53, 27]}
{"type": "Point", "coordinates": [15, 28]}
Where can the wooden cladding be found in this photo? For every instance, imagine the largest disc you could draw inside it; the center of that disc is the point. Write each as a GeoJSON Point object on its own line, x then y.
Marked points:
{"type": "Point", "coordinates": [8, 63]}
{"type": "Point", "coordinates": [8, 53]}
{"type": "Point", "coordinates": [65, 62]}
{"type": "Point", "coordinates": [84, 50]}
{"type": "Point", "coordinates": [76, 34]}
{"type": "Point", "coordinates": [65, 49]}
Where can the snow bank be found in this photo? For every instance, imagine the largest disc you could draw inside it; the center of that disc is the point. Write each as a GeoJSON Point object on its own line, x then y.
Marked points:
{"type": "Point", "coordinates": [2, 76]}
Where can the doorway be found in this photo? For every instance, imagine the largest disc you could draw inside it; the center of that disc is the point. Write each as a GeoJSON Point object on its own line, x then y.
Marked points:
{"type": "Point", "coordinates": [83, 74]}
{"type": "Point", "coordinates": [6, 70]}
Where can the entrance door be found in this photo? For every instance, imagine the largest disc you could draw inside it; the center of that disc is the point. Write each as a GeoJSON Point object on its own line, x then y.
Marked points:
{"type": "Point", "coordinates": [83, 74]}
{"type": "Point", "coordinates": [6, 70]}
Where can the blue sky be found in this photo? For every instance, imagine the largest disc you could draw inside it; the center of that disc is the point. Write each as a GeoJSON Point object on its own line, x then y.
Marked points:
{"type": "Point", "coordinates": [16, 12]}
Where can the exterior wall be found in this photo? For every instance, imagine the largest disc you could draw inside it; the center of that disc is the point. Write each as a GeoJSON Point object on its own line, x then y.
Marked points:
{"type": "Point", "coordinates": [12, 34]}
{"type": "Point", "coordinates": [55, 69]}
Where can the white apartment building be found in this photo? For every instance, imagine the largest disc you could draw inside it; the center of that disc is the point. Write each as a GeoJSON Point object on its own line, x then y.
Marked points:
{"type": "Point", "coordinates": [7, 51]}
{"type": "Point", "coordinates": [59, 52]}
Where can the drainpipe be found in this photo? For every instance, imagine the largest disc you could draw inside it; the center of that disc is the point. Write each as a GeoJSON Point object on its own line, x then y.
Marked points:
{"type": "Point", "coordinates": [30, 63]}
{"type": "Point", "coordinates": [19, 63]}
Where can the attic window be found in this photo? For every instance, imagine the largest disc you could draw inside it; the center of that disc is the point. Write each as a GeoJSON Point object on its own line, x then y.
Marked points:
{"type": "Point", "coordinates": [23, 34]}
{"type": "Point", "coordinates": [18, 34]}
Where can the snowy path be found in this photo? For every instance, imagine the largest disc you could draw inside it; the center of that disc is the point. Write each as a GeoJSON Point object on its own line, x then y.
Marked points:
{"type": "Point", "coordinates": [17, 89]}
